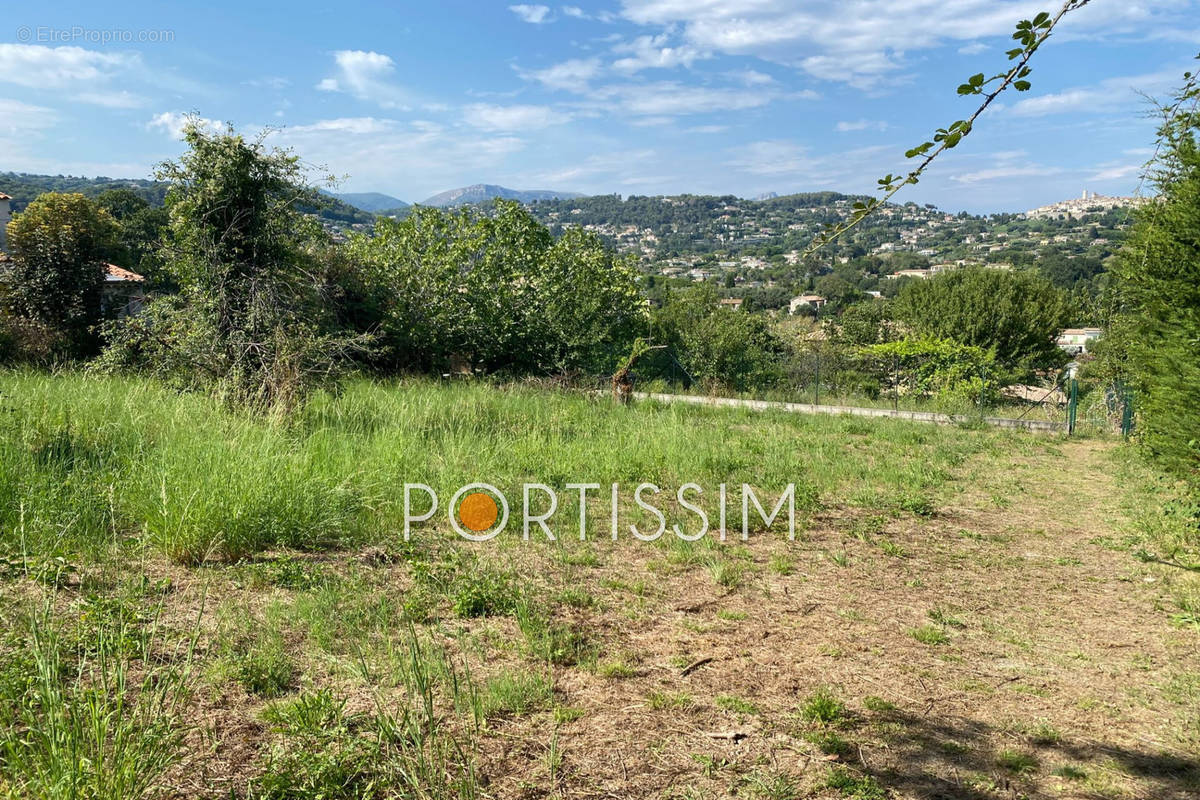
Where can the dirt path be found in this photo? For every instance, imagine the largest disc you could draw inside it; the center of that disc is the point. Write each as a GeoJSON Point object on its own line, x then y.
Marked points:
{"type": "Point", "coordinates": [1007, 646]}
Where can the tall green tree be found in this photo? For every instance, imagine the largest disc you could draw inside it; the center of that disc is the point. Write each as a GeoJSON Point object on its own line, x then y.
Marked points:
{"type": "Point", "coordinates": [253, 318]}
{"type": "Point", "coordinates": [1014, 315]}
{"type": "Point", "coordinates": [1156, 341]}
{"type": "Point", "coordinates": [59, 245]}
{"type": "Point", "coordinates": [139, 230]}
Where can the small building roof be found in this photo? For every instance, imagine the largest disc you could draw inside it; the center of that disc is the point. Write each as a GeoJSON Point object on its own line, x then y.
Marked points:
{"type": "Point", "coordinates": [3, 196]}
{"type": "Point", "coordinates": [115, 274]}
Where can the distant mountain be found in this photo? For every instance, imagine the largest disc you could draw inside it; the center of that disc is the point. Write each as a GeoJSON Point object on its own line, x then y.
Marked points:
{"type": "Point", "coordinates": [767, 196]}
{"type": "Point", "coordinates": [484, 192]}
{"type": "Point", "coordinates": [373, 202]}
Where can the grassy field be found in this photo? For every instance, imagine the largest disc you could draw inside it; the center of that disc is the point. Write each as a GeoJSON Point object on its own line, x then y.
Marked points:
{"type": "Point", "coordinates": [196, 603]}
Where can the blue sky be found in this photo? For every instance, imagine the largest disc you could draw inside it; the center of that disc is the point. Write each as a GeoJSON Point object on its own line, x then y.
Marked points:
{"type": "Point", "coordinates": [625, 96]}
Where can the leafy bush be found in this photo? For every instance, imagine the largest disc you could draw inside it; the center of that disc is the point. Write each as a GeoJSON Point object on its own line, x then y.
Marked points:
{"type": "Point", "coordinates": [1013, 316]}
{"type": "Point", "coordinates": [496, 291]}
{"type": "Point", "coordinates": [718, 346]}
{"type": "Point", "coordinates": [955, 374]}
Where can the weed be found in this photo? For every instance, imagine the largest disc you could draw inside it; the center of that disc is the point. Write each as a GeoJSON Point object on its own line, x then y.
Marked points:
{"type": "Point", "coordinates": [929, 634]}
{"type": "Point", "coordinates": [515, 694]}
{"type": "Point", "coordinates": [265, 669]}
{"type": "Point", "coordinates": [877, 704]}
{"type": "Point", "coordinates": [660, 701]}
{"type": "Point", "coordinates": [286, 572]}
{"type": "Point", "coordinates": [858, 787]}
{"type": "Point", "coordinates": [575, 597]}
{"type": "Point", "coordinates": [729, 702]}
{"type": "Point", "coordinates": [83, 725]}
{"type": "Point", "coordinates": [772, 786]}
{"type": "Point", "coordinates": [823, 706]}
{"type": "Point", "coordinates": [727, 574]}
{"type": "Point", "coordinates": [565, 714]}
{"type": "Point", "coordinates": [945, 618]}
{"type": "Point", "coordinates": [615, 669]}
{"type": "Point", "coordinates": [484, 593]}
{"type": "Point", "coordinates": [551, 641]}
{"type": "Point", "coordinates": [915, 503]}
{"type": "Point", "coordinates": [1044, 734]}
{"type": "Point", "coordinates": [829, 742]}
{"type": "Point", "coordinates": [1016, 761]}
{"type": "Point", "coordinates": [782, 565]}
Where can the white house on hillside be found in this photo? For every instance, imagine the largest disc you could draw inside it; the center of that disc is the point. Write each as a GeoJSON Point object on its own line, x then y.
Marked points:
{"type": "Point", "coordinates": [805, 301]}
{"type": "Point", "coordinates": [5, 216]}
{"type": "Point", "coordinates": [1076, 340]}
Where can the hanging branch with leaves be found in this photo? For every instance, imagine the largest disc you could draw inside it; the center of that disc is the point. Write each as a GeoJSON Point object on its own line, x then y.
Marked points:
{"type": "Point", "coordinates": [1030, 34]}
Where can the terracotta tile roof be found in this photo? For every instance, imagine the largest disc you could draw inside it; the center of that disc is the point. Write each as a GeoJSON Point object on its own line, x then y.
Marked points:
{"type": "Point", "coordinates": [3, 196]}
{"type": "Point", "coordinates": [117, 274]}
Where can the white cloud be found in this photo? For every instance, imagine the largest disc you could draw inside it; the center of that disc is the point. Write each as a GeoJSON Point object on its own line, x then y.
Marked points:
{"type": "Point", "coordinates": [1006, 171]}
{"type": "Point", "coordinates": [270, 82]}
{"type": "Point", "coordinates": [752, 77]}
{"type": "Point", "coordinates": [973, 49]}
{"type": "Point", "coordinates": [39, 67]}
{"type": "Point", "coordinates": [579, 13]}
{"type": "Point", "coordinates": [572, 76]}
{"type": "Point", "coordinates": [172, 123]}
{"type": "Point", "coordinates": [861, 125]}
{"type": "Point", "coordinates": [772, 158]}
{"type": "Point", "coordinates": [667, 98]}
{"type": "Point", "coordinates": [118, 99]}
{"type": "Point", "coordinates": [347, 125]}
{"type": "Point", "coordinates": [646, 52]}
{"type": "Point", "coordinates": [1115, 172]}
{"type": "Point", "coordinates": [19, 118]}
{"type": "Point", "coordinates": [366, 75]}
{"type": "Point", "coordinates": [1107, 95]}
{"type": "Point", "coordinates": [535, 15]}
{"type": "Point", "coordinates": [512, 118]}
{"type": "Point", "coordinates": [865, 42]}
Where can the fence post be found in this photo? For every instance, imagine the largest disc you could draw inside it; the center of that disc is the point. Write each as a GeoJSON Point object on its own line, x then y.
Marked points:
{"type": "Point", "coordinates": [1126, 412]}
{"type": "Point", "coordinates": [817, 381]}
{"type": "Point", "coordinates": [895, 382]}
{"type": "Point", "coordinates": [1072, 407]}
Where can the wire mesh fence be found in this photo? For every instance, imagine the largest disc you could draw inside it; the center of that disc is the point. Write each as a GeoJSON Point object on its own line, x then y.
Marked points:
{"type": "Point", "coordinates": [838, 377]}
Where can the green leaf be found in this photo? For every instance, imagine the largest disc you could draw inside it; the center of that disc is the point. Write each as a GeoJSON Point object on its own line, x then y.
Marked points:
{"type": "Point", "coordinates": [1022, 86]}
{"type": "Point", "coordinates": [976, 80]}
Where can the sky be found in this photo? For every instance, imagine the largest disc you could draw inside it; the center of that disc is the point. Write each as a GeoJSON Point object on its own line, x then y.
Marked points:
{"type": "Point", "coordinates": [628, 97]}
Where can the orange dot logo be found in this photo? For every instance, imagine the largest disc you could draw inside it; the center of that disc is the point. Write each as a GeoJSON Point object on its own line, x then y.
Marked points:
{"type": "Point", "coordinates": [478, 511]}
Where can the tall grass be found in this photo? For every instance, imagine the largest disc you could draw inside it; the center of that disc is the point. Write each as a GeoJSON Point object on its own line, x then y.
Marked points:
{"type": "Point", "coordinates": [95, 463]}
{"type": "Point", "coordinates": [93, 711]}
